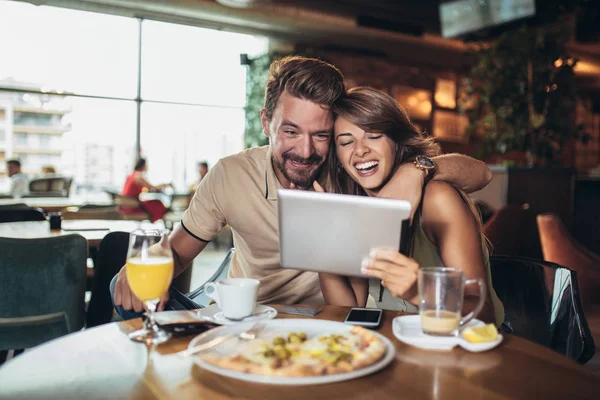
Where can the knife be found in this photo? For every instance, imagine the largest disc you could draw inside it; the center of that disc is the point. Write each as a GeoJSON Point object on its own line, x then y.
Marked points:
{"type": "Point", "coordinates": [205, 346]}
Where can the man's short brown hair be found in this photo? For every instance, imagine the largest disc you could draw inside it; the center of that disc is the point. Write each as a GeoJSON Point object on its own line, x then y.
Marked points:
{"type": "Point", "coordinates": [307, 78]}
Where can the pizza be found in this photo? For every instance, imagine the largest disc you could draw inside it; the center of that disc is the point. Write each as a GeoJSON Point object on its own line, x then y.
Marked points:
{"type": "Point", "coordinates": [296, 355]}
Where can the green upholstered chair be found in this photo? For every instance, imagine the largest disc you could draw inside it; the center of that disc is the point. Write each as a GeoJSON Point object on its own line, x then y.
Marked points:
{"type": "Point", "coordinates": [43, 289]}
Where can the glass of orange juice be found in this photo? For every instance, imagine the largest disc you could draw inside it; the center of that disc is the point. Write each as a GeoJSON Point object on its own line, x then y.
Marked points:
{"type": "Point", "coordinates": [149, 270]}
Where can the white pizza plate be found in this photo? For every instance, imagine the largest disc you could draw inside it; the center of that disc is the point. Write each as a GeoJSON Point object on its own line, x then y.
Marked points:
{"type": "Point", "coordinates": [407, 329]}
{"type": "Point", "coordinates": [214, 314]}
{"type": "Point", "coordinates": [281, 327]}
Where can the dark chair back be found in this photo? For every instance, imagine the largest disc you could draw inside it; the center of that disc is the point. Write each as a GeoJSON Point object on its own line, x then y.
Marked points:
{"type": "Point", "coordinates": [512, 231]}
{"type": "Point", "coordinates": [21, 214]}
{"type": "Point", "coordinates": [542, 304]}
{"type": "Point", "coordinates": [43, 289]}
{"type": "Point", "coordinates": [13, 206]}
{"type": "Point", "coordinates": [112, 254]}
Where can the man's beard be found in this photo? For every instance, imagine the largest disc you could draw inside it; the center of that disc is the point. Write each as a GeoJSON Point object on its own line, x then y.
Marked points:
{"type": "Point", "coordinates": [300, 177]}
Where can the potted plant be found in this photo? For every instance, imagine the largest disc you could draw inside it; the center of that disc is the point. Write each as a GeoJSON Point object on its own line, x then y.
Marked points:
{"type": "Point", "coordinates": [520, 96]}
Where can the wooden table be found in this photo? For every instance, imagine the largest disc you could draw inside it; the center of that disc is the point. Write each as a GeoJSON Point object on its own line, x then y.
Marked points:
{"type": "Point", "coordinates": [103, 363]}
{"type": "Point", "coordinates": [54, 204]}
{"type": "Point", "coordinates": [41, 229]}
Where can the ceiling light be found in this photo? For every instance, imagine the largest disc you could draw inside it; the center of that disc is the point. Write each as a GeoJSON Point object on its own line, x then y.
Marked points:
{"type": "Point", "coordinates": [240, 3]}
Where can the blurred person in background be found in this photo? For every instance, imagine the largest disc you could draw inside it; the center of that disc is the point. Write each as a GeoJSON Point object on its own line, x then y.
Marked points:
{"type": "Point", "coordinates": [202, 170]}
{"type": "Point", "coordinates": [19, 183]}
{"type": "Point", "coordinates": [135, 184]}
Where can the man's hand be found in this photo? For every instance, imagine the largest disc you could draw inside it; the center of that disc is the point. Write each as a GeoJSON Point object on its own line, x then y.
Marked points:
{"type": "Point", "coordinates": [124, 297]}
{"type": "Point", "coordinates": [462, 172]}
{"type": "Point", "coordinates": [405, 184]}
{"type": "Point", "coordinates": [163, 301]}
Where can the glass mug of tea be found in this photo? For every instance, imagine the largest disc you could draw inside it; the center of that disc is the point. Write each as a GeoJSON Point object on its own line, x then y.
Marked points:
{"type": "Point", "coordinates": [441, 294]}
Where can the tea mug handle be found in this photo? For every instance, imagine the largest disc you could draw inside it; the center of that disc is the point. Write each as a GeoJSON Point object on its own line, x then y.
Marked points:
{"type": "Point", "coordinates": [482, 293]}
{"type": "Point", "coordinates": [211, 293]}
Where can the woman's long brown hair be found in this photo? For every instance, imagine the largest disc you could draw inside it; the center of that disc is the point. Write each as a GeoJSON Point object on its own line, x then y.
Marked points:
{"type": "Point", "coordinates": [374, 111]}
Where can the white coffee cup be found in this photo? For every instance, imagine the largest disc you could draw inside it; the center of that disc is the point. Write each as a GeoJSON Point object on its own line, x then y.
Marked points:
{"type": "Point", "coordinates": [236, 297]}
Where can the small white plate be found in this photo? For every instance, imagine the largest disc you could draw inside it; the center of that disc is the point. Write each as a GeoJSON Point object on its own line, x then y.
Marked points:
{"type": "Point", "coordinates": [312, 327]}
{"type": "Point", "coordinates": [214, 314]}
{"type": "Point", "coordinates": [407, 329]}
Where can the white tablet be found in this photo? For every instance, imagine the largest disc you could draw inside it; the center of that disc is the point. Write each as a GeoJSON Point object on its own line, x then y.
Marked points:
{"type": "Point", "coordinates": [328, 232]}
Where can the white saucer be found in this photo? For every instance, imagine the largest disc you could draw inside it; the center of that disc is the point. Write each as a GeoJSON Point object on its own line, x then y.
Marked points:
{"type": "Point", "coordinates": [407, 329]}
{"type": "Point", "coordinates": [214, 314]}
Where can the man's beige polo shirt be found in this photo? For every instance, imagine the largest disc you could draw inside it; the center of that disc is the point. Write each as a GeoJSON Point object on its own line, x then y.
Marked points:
{"type": "Point", "coordinates": [241, 191]}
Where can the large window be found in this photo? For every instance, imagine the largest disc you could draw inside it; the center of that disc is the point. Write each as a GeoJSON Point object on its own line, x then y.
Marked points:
{"type": "Point", "coordinates": [175, 138]}
{"type": "Point", "coordinates": [194, 65]}
{"type": "Point", "coordinates": [203, 70]}
{"type": "Point", "coordinates": [99, 149]}
{"type": "Point", "coordinates": [66, 50]}
{"type": "Point", "coordinates": [72, 83]}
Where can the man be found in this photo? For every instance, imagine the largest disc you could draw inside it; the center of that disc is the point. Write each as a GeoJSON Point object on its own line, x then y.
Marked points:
{"type": "Point", "coordinates": [241, 190]}
{"type": "Point", "coordinates": [19, 183]}
{"type": "Point", "coordinates": [202, 170]}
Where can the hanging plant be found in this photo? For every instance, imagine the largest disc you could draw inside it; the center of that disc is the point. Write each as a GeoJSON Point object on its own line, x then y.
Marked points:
{"type": "Point", "coordinates": [256, 79]}
{"type": "Point", "coordinates": [522, 94]}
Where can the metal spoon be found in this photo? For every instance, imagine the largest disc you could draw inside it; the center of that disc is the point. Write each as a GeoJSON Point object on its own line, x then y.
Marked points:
{"type": "Point", "coordinates": [249, 316]}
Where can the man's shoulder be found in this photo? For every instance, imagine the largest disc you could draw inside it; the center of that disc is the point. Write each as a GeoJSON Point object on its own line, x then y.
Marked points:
{"type": "Point", "coordinates": [254, 157]}
{"type": "Point", "coordinates": [233, 177]}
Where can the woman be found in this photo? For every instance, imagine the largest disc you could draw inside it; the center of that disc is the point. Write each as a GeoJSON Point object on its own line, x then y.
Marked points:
{"type": "Point", "coordinates": [135, 184]}
{"type": "Point", "coordinates": [373, 137]}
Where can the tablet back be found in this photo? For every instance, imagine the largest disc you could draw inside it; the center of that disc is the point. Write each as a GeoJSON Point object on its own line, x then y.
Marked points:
{"type": "Point", "coordinates": [328, 232]}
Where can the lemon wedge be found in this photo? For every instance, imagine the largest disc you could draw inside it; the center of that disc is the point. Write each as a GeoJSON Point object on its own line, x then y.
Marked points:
{"type": "Point", "coordinates": [486, 333]}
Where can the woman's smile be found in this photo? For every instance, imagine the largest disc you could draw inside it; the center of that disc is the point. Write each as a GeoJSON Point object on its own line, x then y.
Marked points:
{"type": "Point", "coordinates": [366, 168]}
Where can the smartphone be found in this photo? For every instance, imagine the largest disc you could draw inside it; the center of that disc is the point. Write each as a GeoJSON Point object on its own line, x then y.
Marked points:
{"type": "Point", "coordinates": [367, 317]}
{"type": "Point", "coordinates": [187, 328]}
